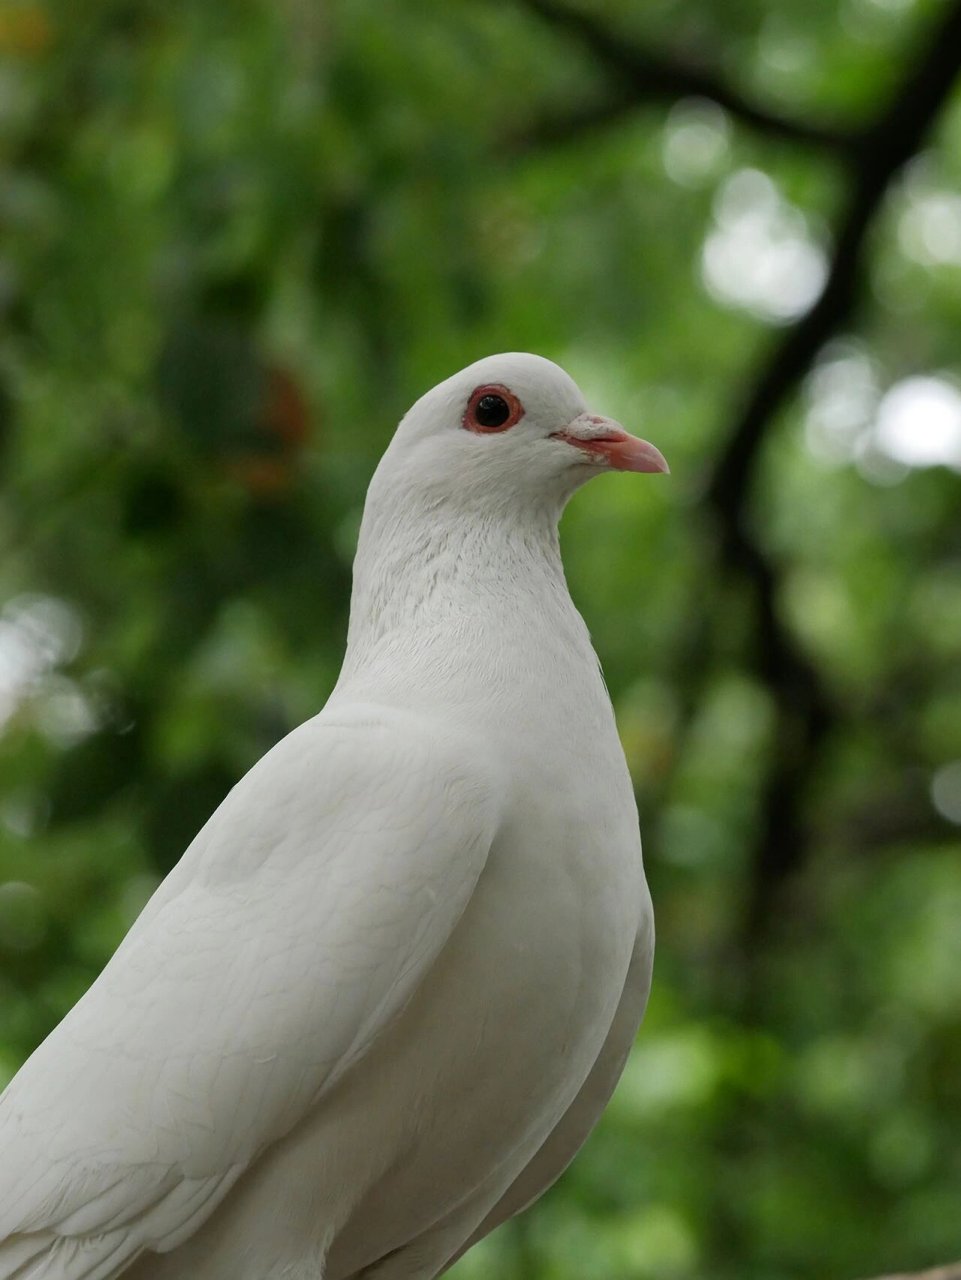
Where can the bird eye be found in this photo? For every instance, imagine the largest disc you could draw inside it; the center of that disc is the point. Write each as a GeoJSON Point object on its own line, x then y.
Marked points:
{"type": "Point", "coordinates": [492, 409]}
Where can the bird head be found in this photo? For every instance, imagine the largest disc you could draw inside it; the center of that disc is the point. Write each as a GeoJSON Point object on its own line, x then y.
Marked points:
{"type": "Point", "coordinates": [510, 430]}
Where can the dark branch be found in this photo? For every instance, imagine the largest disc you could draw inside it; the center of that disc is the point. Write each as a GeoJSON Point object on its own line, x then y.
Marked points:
{"type": "Point", "coordinates": [804, 713]}
{"type": "Point", "coordinates": [885, 147]}
{"type": "Point", "coordinates": [558, 126]}
{"type": "Point", "coordinates": [649, 77]}
{"type": "Point", "coordinates": [872, 157]}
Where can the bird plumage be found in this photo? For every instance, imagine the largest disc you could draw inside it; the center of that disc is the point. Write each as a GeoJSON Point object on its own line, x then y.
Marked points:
{"type": "Point", "coordinates": [384, 995]}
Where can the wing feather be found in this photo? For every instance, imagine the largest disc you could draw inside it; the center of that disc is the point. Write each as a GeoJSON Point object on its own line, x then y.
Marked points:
{"type": "Point", "coordinates": [293, 930]}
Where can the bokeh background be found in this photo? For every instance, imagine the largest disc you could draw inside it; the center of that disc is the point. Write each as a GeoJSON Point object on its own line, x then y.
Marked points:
{"type": "Point", "coordinates": [237, 239]}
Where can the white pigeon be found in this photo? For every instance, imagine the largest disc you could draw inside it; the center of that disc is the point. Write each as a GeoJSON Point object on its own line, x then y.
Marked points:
{"type": "Point", "coordinates": [385, 994]}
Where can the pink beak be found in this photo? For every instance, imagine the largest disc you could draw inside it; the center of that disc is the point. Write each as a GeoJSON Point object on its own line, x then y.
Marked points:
{"type": "Point", "coordinates": [606, 441]}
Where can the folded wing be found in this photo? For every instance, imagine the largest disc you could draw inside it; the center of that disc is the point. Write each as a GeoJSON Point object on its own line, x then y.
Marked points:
{"type": "Point", "coordinates": [295, 927]}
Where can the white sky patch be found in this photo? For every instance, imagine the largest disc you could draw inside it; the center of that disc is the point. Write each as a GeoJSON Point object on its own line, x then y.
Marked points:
{"type": "Point", "coordinates": [929, 229]}
{"type": "Point", "coordinates": [946, 791]}
{"type": "Point", "coordinates": [843, 397]}
{"type": "Point", "coordinates": [696, 142]}
{"type": "Point", "coordinates": [759, 255]}
{"type": "Point", "coordinates": [915, 423]}
{"type": "Point", "coordinates": [919, 423]}
{"type": "Point", "coordinates": [38, 634]}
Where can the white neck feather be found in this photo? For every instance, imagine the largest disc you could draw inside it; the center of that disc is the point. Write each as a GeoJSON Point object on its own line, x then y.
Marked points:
{"type": "Point", "coordinates": [460, 603]}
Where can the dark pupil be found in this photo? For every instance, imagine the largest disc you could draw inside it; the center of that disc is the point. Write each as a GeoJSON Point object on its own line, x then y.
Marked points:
{"type": "Point", "coordinates": [492, 411]}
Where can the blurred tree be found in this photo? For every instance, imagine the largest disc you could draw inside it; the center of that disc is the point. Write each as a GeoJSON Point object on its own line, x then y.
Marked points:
{"type": "Point", "coordinates": [237, 240]}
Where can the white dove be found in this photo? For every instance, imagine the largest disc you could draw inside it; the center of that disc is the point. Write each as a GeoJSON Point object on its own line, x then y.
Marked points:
{"type": "Point", "coordinates": [384, 996]}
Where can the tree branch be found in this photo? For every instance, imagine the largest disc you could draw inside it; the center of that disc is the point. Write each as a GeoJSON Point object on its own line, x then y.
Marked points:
{"type": "Point", "coordinates": [804, 713]}
{"type": "Point", "coordinates": [650, 77]}
{"type": "Point", "coordinates": [872, 156]}
{"type": "Point", "coordinates": [884, 148]}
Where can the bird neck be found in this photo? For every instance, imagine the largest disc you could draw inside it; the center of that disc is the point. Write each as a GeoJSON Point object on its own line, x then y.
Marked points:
{"type": "Point", "coordinates": [458, 595]}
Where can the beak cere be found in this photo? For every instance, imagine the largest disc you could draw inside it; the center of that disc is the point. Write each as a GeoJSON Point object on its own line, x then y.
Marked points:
{"type": "Point", "coordinates": [608, 444]}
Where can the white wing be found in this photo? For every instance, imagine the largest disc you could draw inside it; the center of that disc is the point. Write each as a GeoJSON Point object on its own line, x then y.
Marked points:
{"type": "Point", "coordinates": [296, 925]}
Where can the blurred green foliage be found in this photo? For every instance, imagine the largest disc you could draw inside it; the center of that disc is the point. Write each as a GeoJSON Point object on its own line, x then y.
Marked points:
{"type": "Point", "coordinates": [236, 241]}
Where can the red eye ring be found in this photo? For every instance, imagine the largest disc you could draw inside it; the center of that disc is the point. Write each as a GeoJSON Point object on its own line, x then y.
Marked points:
{"type": "Point", "coordinates": [492, 408]}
